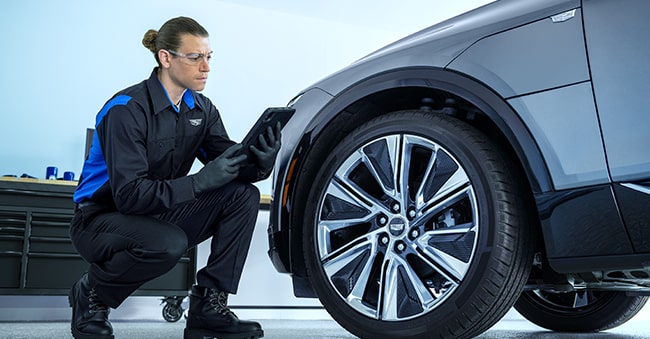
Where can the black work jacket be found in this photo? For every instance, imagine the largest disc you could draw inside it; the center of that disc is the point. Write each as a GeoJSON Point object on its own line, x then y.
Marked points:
{"type": "Point", "coordinates": [143, 149]}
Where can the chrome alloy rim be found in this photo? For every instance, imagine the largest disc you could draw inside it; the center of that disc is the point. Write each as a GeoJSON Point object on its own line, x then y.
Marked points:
{"type": "Point", "coordinates": [397, 227]}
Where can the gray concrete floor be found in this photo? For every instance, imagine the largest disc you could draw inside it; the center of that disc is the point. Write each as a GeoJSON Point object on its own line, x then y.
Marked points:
{"type": "Point", "coordinates": [288, 329]}
{"type": "Point", "coordinates": [294, 329]}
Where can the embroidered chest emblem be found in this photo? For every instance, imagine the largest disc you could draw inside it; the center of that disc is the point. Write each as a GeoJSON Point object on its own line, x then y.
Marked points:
{"type": "Point", "coordinates": [195, 122]}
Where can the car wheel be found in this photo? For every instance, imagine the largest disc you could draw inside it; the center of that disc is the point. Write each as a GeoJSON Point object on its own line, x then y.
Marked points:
{"type": "Point", "coordinates": [580, 311]}
{"type": "Point", "coordinates": [416, 227]}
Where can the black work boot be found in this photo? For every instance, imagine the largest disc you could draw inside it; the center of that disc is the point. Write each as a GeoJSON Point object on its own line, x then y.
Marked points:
{"type": "Point", "coordinates": [210, 317]}
{"type": "Point", "coordinates": [89, 314]}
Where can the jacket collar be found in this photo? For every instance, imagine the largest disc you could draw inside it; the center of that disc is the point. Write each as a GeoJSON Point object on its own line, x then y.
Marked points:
{"type": "Point", "coordinates": [160, 98]}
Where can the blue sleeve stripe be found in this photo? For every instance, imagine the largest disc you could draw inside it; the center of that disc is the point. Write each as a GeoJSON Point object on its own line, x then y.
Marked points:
{"type": "Point", "coordinates": [94, 173]}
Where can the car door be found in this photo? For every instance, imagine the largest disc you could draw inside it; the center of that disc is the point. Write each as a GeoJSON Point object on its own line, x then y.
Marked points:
{"type": "Point", "coordinates": [616, 35]}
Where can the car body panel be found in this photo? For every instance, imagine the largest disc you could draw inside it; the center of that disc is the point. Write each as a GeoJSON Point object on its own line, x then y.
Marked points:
{"type": "Point", "coordinates": [571, 230]}
{"type": "Point", "coordinates": [565, 125]}
{"type": "Point", "coordinates": [438, 45]}
{"type": "Point", "coordinates": [503, 61]}
{"type": "Point", "coordinates": [634, 207]}
{"type": "Point", "coordinates": [621, 82]}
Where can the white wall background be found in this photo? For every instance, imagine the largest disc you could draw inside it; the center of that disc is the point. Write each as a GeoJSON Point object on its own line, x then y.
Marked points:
{"type": "Point", "coordinates": [61, 60]}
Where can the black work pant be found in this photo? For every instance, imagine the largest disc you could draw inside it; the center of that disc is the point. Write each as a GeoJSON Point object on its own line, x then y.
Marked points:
{"type": "Point", "coordinates": [126, 251]}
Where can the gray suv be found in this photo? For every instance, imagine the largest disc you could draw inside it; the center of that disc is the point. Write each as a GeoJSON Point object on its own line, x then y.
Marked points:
{"type": "Point", "coordinates": [496, 159]}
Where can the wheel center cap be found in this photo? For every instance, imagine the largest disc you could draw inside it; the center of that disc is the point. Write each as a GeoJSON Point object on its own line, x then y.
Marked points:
{"type": "Point", "coordinates": [397, 226]}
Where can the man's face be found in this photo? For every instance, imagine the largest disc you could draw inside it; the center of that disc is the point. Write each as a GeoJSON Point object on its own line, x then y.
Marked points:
{"type": "Point", "coordinates": [189, 65]}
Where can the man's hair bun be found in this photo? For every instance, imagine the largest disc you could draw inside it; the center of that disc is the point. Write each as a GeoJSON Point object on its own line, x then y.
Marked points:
{"type": "Point", "coordinates": [149, 40]}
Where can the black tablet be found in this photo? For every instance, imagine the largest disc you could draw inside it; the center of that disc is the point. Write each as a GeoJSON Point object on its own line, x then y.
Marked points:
{"type": "Point", "coordinates": [270, 117]}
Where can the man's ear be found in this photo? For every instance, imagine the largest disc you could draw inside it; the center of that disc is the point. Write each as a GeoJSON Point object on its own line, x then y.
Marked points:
{"type": "Point", "coordinates": [165, 58]}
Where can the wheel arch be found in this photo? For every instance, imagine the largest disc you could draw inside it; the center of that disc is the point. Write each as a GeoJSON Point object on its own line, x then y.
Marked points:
{"type": "Point", "coordinates": [402, 89]}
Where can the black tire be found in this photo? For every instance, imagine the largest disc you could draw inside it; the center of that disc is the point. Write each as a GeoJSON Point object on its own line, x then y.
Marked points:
{"type": "Point", "coordinates": [583, 311]}
{"type": "Point", "coordinates": [456, 251]}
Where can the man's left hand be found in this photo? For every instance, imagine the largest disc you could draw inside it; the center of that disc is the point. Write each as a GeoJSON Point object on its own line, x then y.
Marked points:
{"type": "Point", "coordinates": [269, 148]}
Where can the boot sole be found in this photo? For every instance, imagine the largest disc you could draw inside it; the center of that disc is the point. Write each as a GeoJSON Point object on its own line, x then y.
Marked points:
{"type": "Point", "coordinates": [79, 335]}
{"type": "Point", "coordinates": [198, 333]}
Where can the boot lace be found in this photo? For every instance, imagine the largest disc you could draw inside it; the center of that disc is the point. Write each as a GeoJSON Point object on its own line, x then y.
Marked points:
{"type": "Point", "coordinates": [219, 302]}
{"type": "Point", "coordinates": [96, 305]}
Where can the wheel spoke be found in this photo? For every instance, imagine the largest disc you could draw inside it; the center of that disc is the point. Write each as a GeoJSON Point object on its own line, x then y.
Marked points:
{"type": "Point", "coordinates": [337, 259]}
{"type": "Point", "coordinates": [441, 202]}
{"type": "Point", "coordinates": [428, 172]}
{"type": "Point", "coordinates": [445, 263]}
{"type": "Point", "coordinates": [351, 209]}
{"type": "Point", "coordinates": [580, 299]}
{"type": "Point", "coordinates": [453, 183]}
{"type": "Point", "coordinates": [353, 266]}
{"type": "Point", "coordinates": [355, 299]}
{"type": "Point", "coordinates": [401, 282]}
{"type": "Point", "coordinates": [440, 176]}
{"type": "Point", "coordinates": [382, 159]}
{"type": "Point", "coordinates": [352, 192]}
{"type": "Point", "coordinates": [342, 208]}
{"type": "Point", "coordinates": [405, 170]}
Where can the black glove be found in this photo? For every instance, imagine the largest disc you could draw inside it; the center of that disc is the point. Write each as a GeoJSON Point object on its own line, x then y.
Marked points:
{"type": "Point", "coordinates": [219, 171]}
{"type": "Point", "coordinates": [268, 150]}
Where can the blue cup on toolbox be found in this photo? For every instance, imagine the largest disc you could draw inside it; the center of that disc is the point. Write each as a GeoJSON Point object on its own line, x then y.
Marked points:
{"type": "Point", "coordinates": [51, 173]}
{"type": "Point", "coordinates": [68, 175]}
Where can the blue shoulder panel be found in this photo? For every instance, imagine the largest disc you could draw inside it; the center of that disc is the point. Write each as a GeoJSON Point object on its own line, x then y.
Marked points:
{"type": "Point", "coordinates": [94, 173]}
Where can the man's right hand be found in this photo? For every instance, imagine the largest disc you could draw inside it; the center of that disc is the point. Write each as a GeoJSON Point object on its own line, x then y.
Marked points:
{"type": "Point", "coordinates": [218, 172]}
